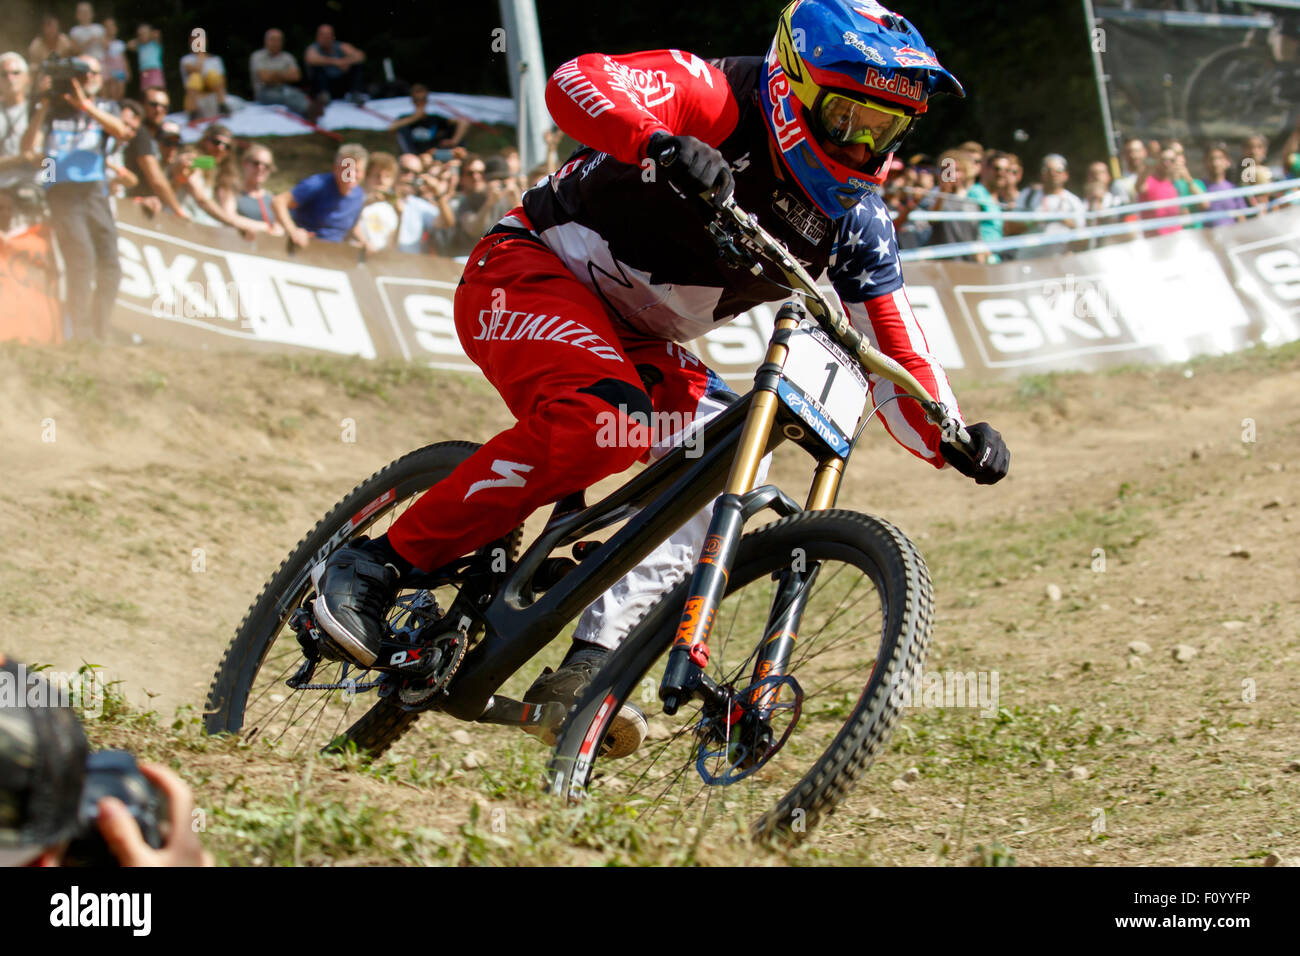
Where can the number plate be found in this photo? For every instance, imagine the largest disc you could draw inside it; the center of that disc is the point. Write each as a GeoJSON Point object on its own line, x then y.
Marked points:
{"type": "Point", "coordinates": [823, 386]}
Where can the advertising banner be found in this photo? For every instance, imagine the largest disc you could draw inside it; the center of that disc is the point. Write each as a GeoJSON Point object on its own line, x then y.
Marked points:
{"type": "Point", "coordinates": [1196, 292]}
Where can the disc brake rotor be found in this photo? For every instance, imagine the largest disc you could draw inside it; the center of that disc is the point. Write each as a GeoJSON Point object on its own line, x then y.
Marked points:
{"type": "Point", "coordinates": [743, 738]}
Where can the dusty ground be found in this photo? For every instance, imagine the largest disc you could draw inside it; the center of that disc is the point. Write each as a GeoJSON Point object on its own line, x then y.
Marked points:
{"type": "Point", "coordinates": [1157, 506]}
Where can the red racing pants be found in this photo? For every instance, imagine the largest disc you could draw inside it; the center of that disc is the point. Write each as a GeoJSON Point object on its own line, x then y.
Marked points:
{"type": "Point", "coordinates": [582, 389]}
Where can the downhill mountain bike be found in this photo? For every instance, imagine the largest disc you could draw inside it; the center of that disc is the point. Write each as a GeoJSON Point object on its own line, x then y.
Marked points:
{"type": "Point", "coordinates": [785, 648]}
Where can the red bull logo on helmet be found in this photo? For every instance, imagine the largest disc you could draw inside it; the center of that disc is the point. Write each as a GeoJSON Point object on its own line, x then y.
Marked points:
{"type": "Point", "coordinates": [785, 119]}
{"type": "Point", "coordinates": [910, 56]}
{"type": "Point", "coordinates": [899, 85]}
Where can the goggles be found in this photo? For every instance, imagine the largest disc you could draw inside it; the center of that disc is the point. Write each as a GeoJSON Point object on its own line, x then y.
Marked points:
{"type": "Point", "coordinates": [846, 121]}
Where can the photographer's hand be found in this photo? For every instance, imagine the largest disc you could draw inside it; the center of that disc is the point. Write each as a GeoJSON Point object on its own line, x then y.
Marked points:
{"type": "Point", "coordinates": [78, 97]}
{"type": "Point", "coordinates": [123, 836]}
{"type": "Point", "coordinates": [113, 125]}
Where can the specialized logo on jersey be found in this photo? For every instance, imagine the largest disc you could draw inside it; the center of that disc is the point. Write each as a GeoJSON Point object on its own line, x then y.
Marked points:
{"type": "Point", "coordinates": [497, 325]}
{"type": "Point", "coordinates": [512, 476]}
{"type": "Point", "coordinates": [575, 85]}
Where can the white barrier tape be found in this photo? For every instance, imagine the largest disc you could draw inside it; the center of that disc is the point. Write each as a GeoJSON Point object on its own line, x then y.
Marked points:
{"type": "Point", "coordinates": [1133, 229]}
{"type": "Point", "coordinates": [1193, 199]}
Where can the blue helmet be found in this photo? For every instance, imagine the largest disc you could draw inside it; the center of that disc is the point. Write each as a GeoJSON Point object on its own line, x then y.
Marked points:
{"type": "Point", "coordinates": [851, 74]}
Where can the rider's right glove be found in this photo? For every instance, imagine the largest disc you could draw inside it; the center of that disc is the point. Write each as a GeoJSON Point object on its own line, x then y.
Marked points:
{"type": "Point", "coordinates": [990, 459]}
{"type": "Point", "coordinates": [694, 166]}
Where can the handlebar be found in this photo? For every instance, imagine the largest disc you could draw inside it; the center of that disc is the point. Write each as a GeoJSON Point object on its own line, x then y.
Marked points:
{"type": "Point", "coordinates": [733, 230]}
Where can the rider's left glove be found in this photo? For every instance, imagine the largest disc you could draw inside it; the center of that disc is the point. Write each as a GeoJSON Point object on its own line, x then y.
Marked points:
{"type": "Point", "coordinates": [989, 458]}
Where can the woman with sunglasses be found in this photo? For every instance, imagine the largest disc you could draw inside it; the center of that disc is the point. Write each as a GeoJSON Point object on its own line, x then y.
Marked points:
{"type": "Point", "coordinates": [247, 196]}
{"type": "Point", "coordinates": [198, 184]}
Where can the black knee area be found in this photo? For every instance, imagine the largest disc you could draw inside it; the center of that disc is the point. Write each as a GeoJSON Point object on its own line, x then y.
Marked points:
{"type": "Point", "coordinates": [621, 396]}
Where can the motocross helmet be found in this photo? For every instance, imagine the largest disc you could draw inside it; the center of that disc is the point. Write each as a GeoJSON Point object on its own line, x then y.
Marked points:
{"type": "Point", "coordinates": [845, 72]}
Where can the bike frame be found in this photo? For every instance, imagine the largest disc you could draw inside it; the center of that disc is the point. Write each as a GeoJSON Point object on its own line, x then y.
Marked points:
{"type": "Point", "coordinates": [660, 499]}
{"type": "Point", "coordinates": [663, 496]}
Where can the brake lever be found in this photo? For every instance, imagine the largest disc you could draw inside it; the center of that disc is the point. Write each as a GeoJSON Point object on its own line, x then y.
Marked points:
{"type": "Point", "coordinates": [950, 428]}
{"type": "Point", "coordinates": [726, 240]}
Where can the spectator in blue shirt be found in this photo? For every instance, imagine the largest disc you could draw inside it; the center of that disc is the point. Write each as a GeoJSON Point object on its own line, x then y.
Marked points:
{"type": "Point", "coordinates": [325, 205]}
{"type": "Point", "coordinates": [76, 132]}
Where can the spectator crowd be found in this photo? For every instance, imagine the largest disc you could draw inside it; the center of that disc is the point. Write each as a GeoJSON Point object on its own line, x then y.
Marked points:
{"type": "Point", "coordinates": [83, 125]}
{"type": "Point", "coordinates": [970, 178]}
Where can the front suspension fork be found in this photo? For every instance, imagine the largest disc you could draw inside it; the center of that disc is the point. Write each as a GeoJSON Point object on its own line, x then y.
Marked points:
{"type": "Point", "coordinates": [689, 654]}
{"type": "Point", "coordinates": [794, 584]}
{"type": "Point", "coordinates": [690, 650]}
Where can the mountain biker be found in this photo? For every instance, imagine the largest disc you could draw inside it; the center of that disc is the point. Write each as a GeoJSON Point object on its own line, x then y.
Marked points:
{"type": "Point", "coordinates": [573, 304]}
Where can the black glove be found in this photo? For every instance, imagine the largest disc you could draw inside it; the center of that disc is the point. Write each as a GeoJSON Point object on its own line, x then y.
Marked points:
{"type": "Point", "coordinates": [990, 459]}
{"type": "Point", "coordinates": [693, 166]}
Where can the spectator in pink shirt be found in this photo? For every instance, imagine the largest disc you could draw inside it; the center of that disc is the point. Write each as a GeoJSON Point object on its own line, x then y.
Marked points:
{"type": "Point", "coordinates": [1159, 186]}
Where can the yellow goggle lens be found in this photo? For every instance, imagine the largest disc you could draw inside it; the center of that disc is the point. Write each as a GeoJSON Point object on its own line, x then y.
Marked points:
{"type": "Point", "coordinates": [848, 121]}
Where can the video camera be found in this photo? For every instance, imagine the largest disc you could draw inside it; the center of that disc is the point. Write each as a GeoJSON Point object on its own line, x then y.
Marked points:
{"type": "Point", "coordinates": [62, 70]}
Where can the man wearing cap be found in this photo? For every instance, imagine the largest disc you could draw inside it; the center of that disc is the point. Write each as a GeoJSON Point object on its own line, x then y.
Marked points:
{"type": "Point", "coordinates": [43, 754]}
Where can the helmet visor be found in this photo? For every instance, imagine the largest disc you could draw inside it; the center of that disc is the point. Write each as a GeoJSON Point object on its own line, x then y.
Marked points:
{"type": "Point", "coordinates": [847, 121]}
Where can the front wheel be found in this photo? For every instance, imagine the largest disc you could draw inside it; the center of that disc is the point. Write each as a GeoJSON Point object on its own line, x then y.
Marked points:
{"type": "Point", "coordinates": [863, 637]}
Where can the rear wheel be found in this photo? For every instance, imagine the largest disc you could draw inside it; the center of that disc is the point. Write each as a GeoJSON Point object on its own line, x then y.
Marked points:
{"type": "Point", "coordinates": [341, 705]}
{"type": "Point", "coordinates": [864, 635]}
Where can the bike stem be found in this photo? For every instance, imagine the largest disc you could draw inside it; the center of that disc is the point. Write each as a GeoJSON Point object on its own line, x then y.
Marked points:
{"type": "Point", "coordinates": [838, 325]}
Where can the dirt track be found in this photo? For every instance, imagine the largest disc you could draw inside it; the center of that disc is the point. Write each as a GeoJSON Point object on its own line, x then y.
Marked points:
{"type": "Point", "coordinates": [176, 482]}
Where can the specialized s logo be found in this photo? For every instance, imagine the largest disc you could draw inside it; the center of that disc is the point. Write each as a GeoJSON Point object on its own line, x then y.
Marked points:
{"type": "Point", "coordinates": [512, 476]}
